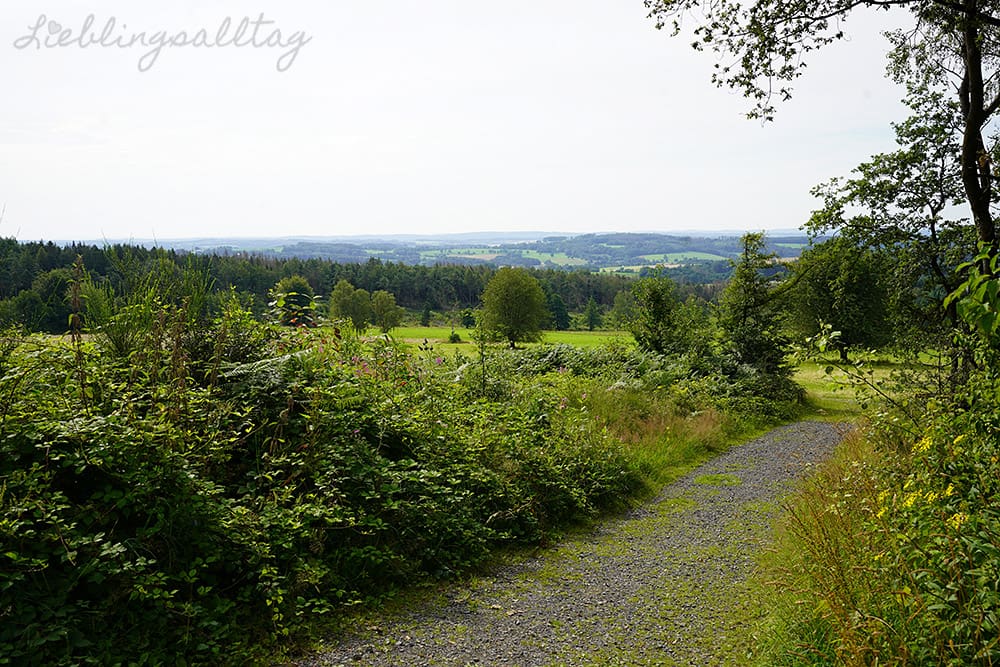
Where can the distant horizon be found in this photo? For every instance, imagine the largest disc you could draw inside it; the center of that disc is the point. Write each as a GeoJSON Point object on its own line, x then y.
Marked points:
{"type": "Point", "coordinates": [393, 117]}
{"type": "Point", "coordinates": [527, 235]}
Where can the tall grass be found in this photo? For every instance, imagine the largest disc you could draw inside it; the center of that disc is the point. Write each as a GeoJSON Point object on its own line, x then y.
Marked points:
{"type": "Point", "coordinates": [891, 554]}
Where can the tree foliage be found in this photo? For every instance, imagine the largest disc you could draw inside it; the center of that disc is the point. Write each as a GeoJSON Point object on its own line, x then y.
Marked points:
{"type": "Point", "coordinates": [844, 285]}
{"type": "Point", "coordinates": [351, 304]}
{"type": "Point", "coordinates": [514, 306]}
{"type": "Point", "coordinates": [951, 53]}
{"type": "Point", "coordinates": [751, 311]}
{"type": "Point", "coordinates": [294, 302]}
{"type": "Point", "coordinates": [656, 322]}
{"type": "Point", "coordinates": [385, 313]}
{"type": "Point", "coordinates": [559, 314]}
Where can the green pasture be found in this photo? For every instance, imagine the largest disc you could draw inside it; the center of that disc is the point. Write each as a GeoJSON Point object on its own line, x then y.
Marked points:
{"type": "Point", "coordinates": [438, 337]}
{"type": "Point", "coordinates": [474, 253]}
{"type": "Point", "coordinates": [559, 258]}
{"type": "Point", "coordinates": [832, 387]}
{"type": "Point", "coordinates": [679, 257]}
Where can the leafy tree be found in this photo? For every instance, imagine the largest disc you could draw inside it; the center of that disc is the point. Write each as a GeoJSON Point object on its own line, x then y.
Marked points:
{"type": "Point", "coordinates": [899, 200]}
{"type": "Point", "coordinates": [385, 313]}
{"type": "Point", "coordinates": [45, 306]}
{"type": "Point", "coordinates": [952, 55]}
{"type": "Point", "coordinates": [844, 285]}
{"type": "Point", "coordinates": [354, 305]}
{"type": "Point", "coordinates": [750, 314]}
{"type": "Point", "coordinates": [513, 306]}
{"type": "Point", "coordinates": [592, 315]}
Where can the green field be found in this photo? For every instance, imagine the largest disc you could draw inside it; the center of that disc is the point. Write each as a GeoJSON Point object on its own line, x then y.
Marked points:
{"type": "Point", "coordinates": [485, 254]}
{"type": "Point", "coordinates": [677, 257]}
{"type": "Point", "coordinates": [628, 271]}
{"type": "Point", "coordinates": [559, 258]}
{"type": "Point", "coordinates": [438, 337]}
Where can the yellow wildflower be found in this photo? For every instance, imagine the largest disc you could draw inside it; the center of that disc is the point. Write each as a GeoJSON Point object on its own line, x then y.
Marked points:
{"type": "Point", "coordinates": [956, 521]}
{"type": "Point", "coordinates": [922, 445]}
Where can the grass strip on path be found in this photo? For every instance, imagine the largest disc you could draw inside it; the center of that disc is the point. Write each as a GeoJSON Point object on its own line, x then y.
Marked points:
{"type": "Point", "coordinates": [664, 584]}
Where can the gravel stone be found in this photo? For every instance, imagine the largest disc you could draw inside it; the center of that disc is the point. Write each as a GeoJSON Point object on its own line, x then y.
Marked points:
{"type": "Point", "coordinates": [659, 585]}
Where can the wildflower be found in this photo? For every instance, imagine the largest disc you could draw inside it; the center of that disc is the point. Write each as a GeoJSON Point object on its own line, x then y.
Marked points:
{"type": "Point", "coordinates": [883, 503]}
{"type": "Point", "coordinates": [922, 445]}
{"type": "Point", "coordinates": [956, 521]}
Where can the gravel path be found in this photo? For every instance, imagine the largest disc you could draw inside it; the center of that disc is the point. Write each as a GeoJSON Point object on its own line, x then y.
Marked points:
{"type": "Point", "coordinates": [660, 585]}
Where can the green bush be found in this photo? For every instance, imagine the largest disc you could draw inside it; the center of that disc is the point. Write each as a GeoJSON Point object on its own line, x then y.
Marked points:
{"type": "Point", "coordinates": [149, 516]}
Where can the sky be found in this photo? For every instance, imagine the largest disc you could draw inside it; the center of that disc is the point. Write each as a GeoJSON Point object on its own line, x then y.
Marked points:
{"type": "Point", "coordinates": [351, 117]}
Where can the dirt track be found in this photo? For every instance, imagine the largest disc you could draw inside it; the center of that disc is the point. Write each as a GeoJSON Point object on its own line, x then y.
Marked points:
{"type": "Point", "coordinates": [660, 585]}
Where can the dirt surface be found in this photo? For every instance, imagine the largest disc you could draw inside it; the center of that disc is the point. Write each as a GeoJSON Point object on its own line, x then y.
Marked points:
{"type": "Point", "coordinates": [660, 585]}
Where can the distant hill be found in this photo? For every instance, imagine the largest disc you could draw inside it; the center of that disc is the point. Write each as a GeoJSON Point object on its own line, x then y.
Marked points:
{"type": "Point", "coordinates": [608, 252]}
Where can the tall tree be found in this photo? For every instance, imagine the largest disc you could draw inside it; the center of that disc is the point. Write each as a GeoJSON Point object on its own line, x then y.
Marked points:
{"type": "Point", "coordinates": [385, 313]}
{"type": "Point", "coordinates": [353, 305]}
{"type": "Point", "coordinates": [655, 323]}
{"type": "Point", "coordinates": [513, 306]}
{"type": "Point", "coordinates": [953, 48]}
{"type": "Point", "coordinates": [592, 315]}
{"type": "Point", "coordinates": [558, 311]}
{"type": "Point", "coordinates": [845, 285]}
{"type": "Point", "coordinates": [750, 312]}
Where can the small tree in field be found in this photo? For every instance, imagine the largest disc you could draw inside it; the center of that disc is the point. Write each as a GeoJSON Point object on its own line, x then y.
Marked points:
{"type": "Point", "coordinates": [514, 306]}
{"type": "Point", "coordinates": [348, 303]}
{"type": "Point", "coordinates": [387, 315]}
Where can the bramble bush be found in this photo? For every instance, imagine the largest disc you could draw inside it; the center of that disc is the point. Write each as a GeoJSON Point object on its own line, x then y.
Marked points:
{"type": "Point", "coordinates": [152, 513]}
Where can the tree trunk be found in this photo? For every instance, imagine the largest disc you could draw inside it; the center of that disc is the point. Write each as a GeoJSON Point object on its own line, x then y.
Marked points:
{"type": "Point", "coordinates": [976, 166]}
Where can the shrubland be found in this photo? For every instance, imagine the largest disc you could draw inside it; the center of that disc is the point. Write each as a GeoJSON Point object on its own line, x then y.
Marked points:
{"type": "Point", "coordinates": [191, 485]}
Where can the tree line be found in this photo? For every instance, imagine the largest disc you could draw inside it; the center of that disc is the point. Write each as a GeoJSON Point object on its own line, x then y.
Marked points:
{"type": "Point", "coordinates": [35, 278]}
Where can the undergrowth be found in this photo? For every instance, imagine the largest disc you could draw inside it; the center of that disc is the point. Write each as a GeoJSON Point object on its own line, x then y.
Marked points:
{"type": "Point", "coordinates": [891, 556]}
{"type": "Point", "coordinates": [190, 489]}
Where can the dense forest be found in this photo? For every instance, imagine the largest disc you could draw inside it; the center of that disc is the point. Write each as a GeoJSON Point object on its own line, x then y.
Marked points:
{"type": "Point", "coordinates": [35, 277]}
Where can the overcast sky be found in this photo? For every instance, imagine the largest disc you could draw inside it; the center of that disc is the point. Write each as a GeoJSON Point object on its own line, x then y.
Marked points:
{"type": "Point", "coordinates": [398, 116]}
